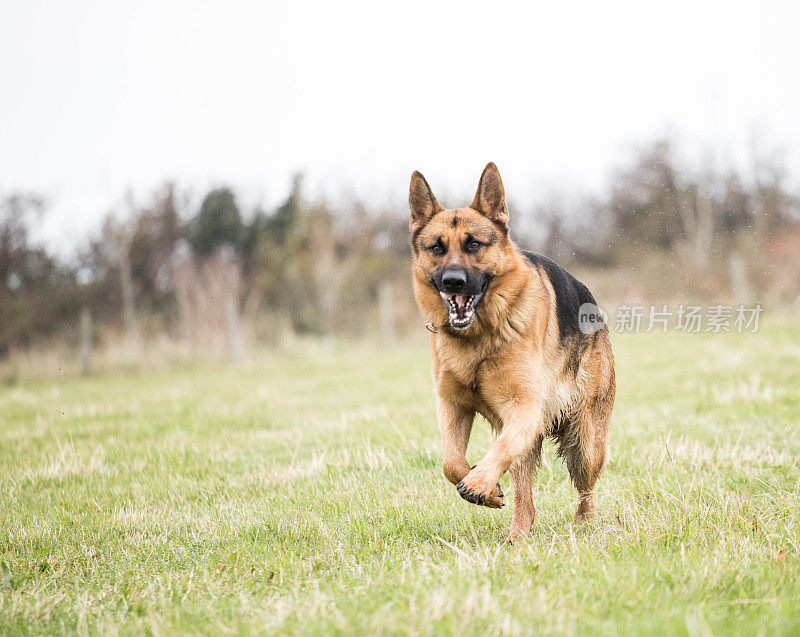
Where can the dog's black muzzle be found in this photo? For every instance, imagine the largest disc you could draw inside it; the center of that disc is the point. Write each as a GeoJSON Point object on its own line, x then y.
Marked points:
{"type": "Point", "coordinates": [461, 289]}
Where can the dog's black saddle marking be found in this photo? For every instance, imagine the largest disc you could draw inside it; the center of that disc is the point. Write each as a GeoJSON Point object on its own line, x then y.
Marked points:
{"type": "Point", "coordinates": [570, 294]}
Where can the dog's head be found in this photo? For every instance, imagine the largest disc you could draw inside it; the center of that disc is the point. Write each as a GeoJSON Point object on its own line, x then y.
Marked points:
{"type": "Point", "coordinates": [458, 252]}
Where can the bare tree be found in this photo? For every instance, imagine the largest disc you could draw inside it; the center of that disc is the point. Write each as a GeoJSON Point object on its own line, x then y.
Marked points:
{"type": "Point", "coordinates": [121, 235]}
{"type": "Point", "coordinates": [697, 215]}
{"type": "Point", "coordinates": [208, 292]}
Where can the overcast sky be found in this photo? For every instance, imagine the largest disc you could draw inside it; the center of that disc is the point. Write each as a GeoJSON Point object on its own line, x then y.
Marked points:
{"type": "Point", "coordinates": [101, 96]}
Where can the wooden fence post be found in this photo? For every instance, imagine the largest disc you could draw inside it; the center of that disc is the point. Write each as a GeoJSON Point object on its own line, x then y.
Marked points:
{"type": "Point", "coordinates": [86, 341]}
{"type": "Point", "coordinates": [387, 313]}
{"type": "Point", "coordinates": [742, 291]}
{"type": "Point", "coordinates": [234, 331]}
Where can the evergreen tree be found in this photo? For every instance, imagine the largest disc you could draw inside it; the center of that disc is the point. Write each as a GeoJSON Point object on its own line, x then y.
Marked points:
{"type": "Point", "coordinates": [218, 223]}
{"type": "Point", "coordinates": [287, 216]}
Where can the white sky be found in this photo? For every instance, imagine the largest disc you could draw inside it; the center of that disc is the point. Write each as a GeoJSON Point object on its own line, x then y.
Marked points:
{"type": "Point", "coordinates": [101, 96]}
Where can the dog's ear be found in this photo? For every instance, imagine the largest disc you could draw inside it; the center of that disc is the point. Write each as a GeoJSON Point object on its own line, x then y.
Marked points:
{"type": "Point", "coordinates": [490, 200]}
{"type": "Point", "coordinates": [422, 203]}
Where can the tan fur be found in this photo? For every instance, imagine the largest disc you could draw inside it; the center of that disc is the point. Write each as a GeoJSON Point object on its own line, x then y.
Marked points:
{"type": "Point", "coordinates": [509, 365]}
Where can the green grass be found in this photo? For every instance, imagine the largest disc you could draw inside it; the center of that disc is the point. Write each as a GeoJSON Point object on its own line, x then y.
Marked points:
{"type": "Point", "coordinates": [305, 496]}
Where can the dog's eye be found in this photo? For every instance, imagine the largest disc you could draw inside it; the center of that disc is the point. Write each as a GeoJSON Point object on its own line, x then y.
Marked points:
{"type": "Point", "coordinates": [474, 246]}
{"type": "Point", "coordinates": [437, 248]}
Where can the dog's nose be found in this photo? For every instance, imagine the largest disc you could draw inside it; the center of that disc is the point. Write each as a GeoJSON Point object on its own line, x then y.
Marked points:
{"type": "Point", "coordinates": [454, 280]}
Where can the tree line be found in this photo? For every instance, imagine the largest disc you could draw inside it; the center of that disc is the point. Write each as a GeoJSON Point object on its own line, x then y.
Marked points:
{"type": "Point", "coordinates": [312, 268]}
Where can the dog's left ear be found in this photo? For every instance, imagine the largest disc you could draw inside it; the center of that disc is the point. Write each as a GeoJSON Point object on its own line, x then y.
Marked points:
{"type": "Point", "coordinates": [490, 200]}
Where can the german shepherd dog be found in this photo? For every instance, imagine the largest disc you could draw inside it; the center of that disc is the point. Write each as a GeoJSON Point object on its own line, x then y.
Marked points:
{"type": "Point", "coordinates": [506, 343]}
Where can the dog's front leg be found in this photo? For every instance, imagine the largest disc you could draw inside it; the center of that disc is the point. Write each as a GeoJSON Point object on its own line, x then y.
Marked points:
{"type": "Point", "coordinates": [521, 430]}
{"type": "Point", "coordinates": [455, 423]}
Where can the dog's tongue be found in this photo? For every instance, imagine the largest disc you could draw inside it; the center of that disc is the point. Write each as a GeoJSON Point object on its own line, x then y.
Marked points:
{"type": "Point", "coordinates": [459, 300]}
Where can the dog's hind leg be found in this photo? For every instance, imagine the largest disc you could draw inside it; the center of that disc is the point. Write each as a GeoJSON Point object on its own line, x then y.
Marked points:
{"type": "Point", "coordinates": [521, 472]}
{"type": "Point", "coordinates": [584, 444]}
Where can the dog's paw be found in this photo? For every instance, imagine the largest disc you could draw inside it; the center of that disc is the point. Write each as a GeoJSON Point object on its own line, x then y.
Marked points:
{"type": "Point", "coordinates": [516, 533]}
{"type": "Point", "coordinates": [474, 488]}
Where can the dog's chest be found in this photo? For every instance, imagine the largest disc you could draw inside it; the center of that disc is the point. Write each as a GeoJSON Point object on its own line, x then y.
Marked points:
{"type": "Point", "coordinates": [473, 375]}
{"type": "Point", "coordinates": [482, 381]}
{"type": "Point", "coordinates": [460, 363]}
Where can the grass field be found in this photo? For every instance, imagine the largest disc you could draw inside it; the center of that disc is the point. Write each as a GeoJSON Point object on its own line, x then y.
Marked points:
{"type": "Point", "coordinates": [304, 495]}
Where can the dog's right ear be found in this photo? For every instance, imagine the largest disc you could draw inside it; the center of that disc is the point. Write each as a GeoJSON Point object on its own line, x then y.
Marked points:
{"type": "Point", "coordinates": [421, 202]}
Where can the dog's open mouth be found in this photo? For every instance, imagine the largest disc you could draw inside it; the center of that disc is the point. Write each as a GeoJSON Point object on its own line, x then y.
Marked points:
{"type": "Point", "coordinates": [461, 308]}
